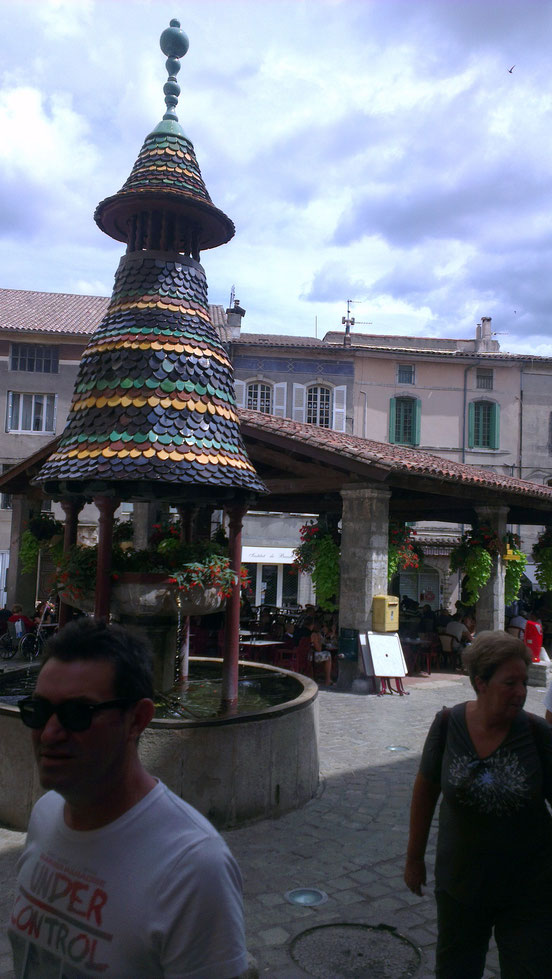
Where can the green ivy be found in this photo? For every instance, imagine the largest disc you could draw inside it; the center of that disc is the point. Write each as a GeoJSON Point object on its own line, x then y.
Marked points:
{"type": "Point", "coordinates": [325, 574]}
{"type": "Point", "coordinates": [542, 556]}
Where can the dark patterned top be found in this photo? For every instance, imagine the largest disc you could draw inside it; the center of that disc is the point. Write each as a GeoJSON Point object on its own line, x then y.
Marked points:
{"type": "Point", "coordinates": [495, 830]}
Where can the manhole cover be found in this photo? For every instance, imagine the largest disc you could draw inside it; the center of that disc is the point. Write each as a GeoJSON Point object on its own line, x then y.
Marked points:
{"type": "Point", "coordinates": [348, 951]}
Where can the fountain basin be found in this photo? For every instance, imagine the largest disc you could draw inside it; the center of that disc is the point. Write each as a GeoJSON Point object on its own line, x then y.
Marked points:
{"type": "Point", "coordinates": [232, 769]}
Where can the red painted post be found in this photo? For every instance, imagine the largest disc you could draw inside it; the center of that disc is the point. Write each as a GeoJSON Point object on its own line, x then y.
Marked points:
{"type": "Point", "coordinates": [106, 506]}
{"type": "Point", "coordinates": [229, 703]}
{"type": "Point", "coordinates": [71, 509]}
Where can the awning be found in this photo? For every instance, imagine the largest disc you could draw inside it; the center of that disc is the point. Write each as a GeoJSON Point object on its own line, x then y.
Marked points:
{"type": "Point", "coordinates": [267, 555]}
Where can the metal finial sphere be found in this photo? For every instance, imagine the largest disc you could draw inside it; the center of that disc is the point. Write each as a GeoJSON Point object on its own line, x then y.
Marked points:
{"type": "Point", "coordinates": [174, 42]}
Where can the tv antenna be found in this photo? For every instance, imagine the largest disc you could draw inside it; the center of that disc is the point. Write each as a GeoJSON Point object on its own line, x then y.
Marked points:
{"type": "Point", "coordinates": [348, 321]}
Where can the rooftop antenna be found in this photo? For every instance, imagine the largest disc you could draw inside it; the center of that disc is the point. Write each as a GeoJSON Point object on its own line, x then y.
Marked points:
{"type": "Point", "coordinates": [348, 321]}
{"type": "Point", "coordinates": [232, 297]}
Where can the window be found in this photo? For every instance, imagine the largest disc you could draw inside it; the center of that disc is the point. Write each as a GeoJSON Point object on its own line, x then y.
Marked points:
{"type": "Point", "coordinates": [404, 421]}
{"type": "Point", "coordinates": [405, 374]}
{"type": "Point", "coordinates": [319, 406]}
{"type": "Point", "coordinates": [31, 412]}
{"type": "Point", "coordinates": [35, 357]}
{"type": "Point", "coordinates": [483, 425]}
{"type": "Point", "coordinates": [484, 379]}
{"type": "Point", "coordinates": [259, 397]}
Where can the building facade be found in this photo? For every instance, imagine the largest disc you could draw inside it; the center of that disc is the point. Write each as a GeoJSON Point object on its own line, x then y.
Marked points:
{"type": "Point", "coordinates": [464, 400]}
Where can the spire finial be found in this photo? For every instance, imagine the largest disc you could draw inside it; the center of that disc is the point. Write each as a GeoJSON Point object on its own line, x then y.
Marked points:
{"type": "Point", "coordinates": [174, 43]}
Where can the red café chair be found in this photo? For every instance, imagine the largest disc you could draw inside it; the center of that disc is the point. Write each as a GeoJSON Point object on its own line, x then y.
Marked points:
{"type": "Point", "coordinates": [298, 659]}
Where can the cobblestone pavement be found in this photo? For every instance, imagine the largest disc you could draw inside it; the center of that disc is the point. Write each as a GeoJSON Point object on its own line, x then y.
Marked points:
{"type": "Point", "coordinates": [349, 841]}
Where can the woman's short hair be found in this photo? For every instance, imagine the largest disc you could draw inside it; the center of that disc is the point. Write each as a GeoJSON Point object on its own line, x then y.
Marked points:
{"type": "Point", "coordinates": [488, 651]}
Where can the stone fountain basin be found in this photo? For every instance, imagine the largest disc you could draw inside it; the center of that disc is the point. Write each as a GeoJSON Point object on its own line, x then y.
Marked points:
{"type": "Point", "coordinates": [233, 769]}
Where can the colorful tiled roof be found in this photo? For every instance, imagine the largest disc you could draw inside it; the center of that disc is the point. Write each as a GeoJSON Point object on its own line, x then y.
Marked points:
{"type": "Point", "coordinates": [153, 413]}
{"type": "Point", "coordinates": [165, 198]}
{"type": "Point", "coordinates": [394, 458]}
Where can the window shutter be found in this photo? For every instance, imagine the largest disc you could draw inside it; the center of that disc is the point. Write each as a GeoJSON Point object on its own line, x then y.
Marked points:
{"type": "Point", "coordinates": [279, 400]}
{"type": "Point", "coordinates": [417, 412]}
{"type": "Point", "coordinates": [299, 402]}
{"type": "Point", "coordinates": [392, 419]}
{"type": "Point", "coordinates": [471, 424]}
{"type": "Point", "coordinates": [339, 408]}
{"type": "Point", "coordinates": [9, 411]}
{"type": "Point", "coordinates": [495, 427]}
{"type": "Point", "coordinates": [239, 389]}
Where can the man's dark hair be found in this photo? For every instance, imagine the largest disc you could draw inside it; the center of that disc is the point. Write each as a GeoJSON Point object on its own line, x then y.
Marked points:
{"type": "Point", "coordinates": [128, 651]}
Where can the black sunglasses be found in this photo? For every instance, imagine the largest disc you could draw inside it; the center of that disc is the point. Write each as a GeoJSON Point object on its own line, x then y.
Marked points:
{"type": "Point", "coordinates": [74, 715]}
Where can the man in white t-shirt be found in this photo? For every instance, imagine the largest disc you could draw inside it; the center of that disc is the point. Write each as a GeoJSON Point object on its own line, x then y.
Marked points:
{"type": "Point", "coordinates": [119, 877]}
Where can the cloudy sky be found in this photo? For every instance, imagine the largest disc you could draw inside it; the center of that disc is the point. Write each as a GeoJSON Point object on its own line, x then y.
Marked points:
{"type": "Point", "coordinates": [372, 150]}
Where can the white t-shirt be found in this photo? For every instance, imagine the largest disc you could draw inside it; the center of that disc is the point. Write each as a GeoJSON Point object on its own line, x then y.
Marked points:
{"type": "Point", "coordinates": [455, 629]}
{"type": "Point", "coordinates": [156, 894]}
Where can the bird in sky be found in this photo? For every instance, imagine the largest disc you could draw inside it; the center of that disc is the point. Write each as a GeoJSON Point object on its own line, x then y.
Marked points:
{"type": "Point", "coordinates": [511, 69]}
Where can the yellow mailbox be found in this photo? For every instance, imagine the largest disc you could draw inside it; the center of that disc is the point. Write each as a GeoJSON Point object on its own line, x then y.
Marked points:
{"type": "Point", "coordinates": [385, 613]}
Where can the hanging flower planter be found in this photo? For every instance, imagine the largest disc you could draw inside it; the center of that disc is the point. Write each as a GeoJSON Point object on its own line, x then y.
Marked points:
{"type": "Point", "coordinates": [542, 556]}
{"type": "Point", "coordinates": [318, 555]}
{"type": "Point", "coordinates": [403, 553]}
{"type": "Point", "coordinates": [475, 554]}
{"type": "Point", "coordinates": [175, 584]}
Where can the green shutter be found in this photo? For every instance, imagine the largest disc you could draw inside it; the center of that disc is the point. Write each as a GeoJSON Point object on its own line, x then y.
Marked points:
{"type": "Point", "coordinates": [392, 419]}
{"type": "Point", "coordinates": [495, 427]}
{"type": "Point", "coordinates": [471, 424]}
{"type": "Point", "coordinates": [417, 412]}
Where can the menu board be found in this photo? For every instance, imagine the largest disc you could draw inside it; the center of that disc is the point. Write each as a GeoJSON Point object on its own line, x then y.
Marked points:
{"type": "Point", "coordinates": [382, 654]}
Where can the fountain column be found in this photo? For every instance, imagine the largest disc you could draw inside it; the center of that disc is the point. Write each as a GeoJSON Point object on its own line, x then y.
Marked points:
{"type": "Point", "coordinates": [71, 509]}
{"type": "Point", "coordinates": [106, 506]}
{"type": "Point", "coordinates": [236, 514]}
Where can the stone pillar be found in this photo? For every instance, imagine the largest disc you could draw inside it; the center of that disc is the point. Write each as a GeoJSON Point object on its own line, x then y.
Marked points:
{"type": "Point", "coordinates": [106, 506]}
{"type": "Point", "coordinates": [364, 543]}
{"type": "Point", "coordinates": [490, 607]}
{"type": "Point", "coordinates": [71, 509]}
{"type": "Point", "coordinates": [236, 514]}
{"type": "Point", "coordinates": [21, 587]}
{"type": "Point", "coordinates": [144, 515]}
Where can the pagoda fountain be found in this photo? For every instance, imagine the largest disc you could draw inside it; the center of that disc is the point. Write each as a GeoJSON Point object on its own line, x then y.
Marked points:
{"type": "Point", "coordinates": [153, 415]}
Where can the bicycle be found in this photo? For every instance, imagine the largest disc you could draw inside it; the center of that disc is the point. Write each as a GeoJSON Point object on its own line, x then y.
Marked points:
{"type": "Point", "coordinates": [30, 645]}
{"type": "Point", "coordinates": [8, 646]}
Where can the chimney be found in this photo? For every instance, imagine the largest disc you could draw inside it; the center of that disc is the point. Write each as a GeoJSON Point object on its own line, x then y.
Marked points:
{"type": "Point", "coordinates": [485, 327]}
{"type": "Point", "coordinates": [234, 316]}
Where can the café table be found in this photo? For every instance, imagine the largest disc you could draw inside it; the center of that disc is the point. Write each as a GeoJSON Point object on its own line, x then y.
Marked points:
{"type": "Point", "coordinates": [260, 650]}
{"type": "Point", "coordinates": [417, 653]}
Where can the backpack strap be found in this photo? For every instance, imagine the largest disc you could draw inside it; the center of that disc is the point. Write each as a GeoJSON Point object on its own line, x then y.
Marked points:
{"type": "Point", "coordinates": [443, 729]}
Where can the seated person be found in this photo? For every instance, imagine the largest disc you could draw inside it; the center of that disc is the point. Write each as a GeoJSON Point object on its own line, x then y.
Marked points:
{"type": "Point", "coordinates": [4, 616]}
{"type": "Point", "coordinates": [18, 616]}
{"type": "Point", "coordinates": [287, 637]}
{"type": "Point", "coordinates": [518, 622]}
{"type": "Point", "coordinates": [427, 622]}
{"type": "Point", "coordinates": [458, 629]}
{"type": "Point", "coordinates": [320, 654]}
